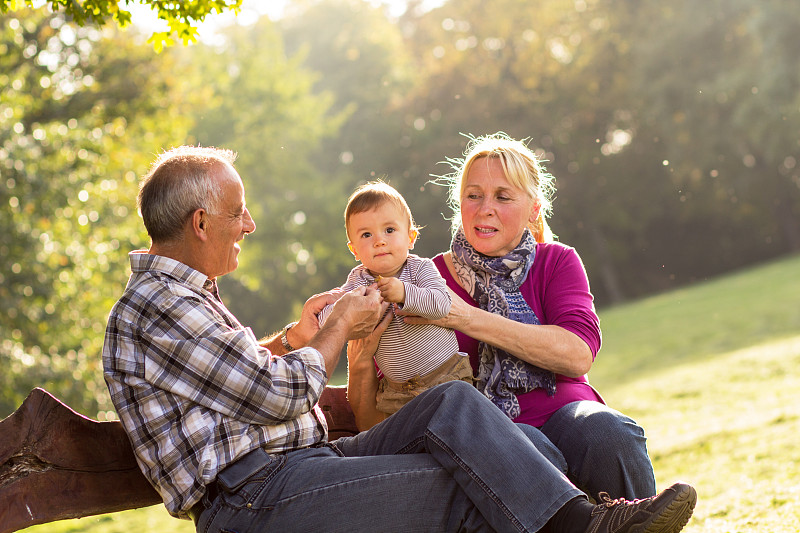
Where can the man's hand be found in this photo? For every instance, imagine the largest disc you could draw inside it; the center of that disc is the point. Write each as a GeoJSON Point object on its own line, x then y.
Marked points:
{"type": "Point", "coordinates": [392, 289]}
{"type": "Point", "coordinates": [362, 381]}
{"type": "Point", "coordinates": [308, 325]}
{"type": "Point", "coordinates": [358, 311]}
{"type": "Point", "coordinates": [354, 316]}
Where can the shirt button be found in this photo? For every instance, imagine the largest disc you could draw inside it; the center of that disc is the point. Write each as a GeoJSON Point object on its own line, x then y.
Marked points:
{"type": "Point", "coordinates": [249, 505]}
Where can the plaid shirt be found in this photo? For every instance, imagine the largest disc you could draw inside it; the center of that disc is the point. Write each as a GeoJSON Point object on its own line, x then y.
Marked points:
{"type": "Point", "coordinates": [193, 388]}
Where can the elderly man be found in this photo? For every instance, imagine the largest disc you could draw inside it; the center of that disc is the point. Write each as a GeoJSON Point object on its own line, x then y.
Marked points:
{"type": "Point", "coordinates": [226, 427]}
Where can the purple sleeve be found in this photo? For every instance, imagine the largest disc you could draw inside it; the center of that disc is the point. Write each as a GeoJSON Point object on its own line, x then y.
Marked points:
{"type": "Point", "coordinates": [557, 289]}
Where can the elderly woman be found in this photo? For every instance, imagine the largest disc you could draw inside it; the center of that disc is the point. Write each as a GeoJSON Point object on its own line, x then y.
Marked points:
{"type": "Point", "coordinates": [523, 311]}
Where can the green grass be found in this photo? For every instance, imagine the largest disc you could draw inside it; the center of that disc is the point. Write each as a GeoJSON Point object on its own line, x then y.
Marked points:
{"type": "Point", "coordinates": [711, 372]}
{"type": "Point", "coordinates": [699, 322]}
{"type": "Point", "coordinates": [728, 425]}
{"type": "Point", "coordinates": [147, 520]}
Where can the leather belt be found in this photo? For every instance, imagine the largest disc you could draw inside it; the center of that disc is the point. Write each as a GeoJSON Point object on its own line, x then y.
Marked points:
{"type": "Point", "coordinates": [212, 491]}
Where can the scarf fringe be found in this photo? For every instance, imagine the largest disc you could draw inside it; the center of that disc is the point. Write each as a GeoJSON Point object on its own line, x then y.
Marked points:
{"type": "Point", "coordinates": [494, 283]}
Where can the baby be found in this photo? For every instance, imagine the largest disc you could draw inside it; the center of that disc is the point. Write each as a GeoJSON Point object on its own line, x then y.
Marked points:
{"type": "Point", "coordinates": [412, 358]}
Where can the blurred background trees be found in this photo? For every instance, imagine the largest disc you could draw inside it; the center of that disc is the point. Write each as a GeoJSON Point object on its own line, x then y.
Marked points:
{"type": "Point", "coordinates": [181, 18]}
{"type": "Point", "coordinates": [672, 128]}
{"type": "Point", "coordinates": [80, 113]}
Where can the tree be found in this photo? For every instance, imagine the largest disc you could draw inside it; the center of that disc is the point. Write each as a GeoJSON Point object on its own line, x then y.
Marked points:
{"type": "Point", "coordinates": [262, 106]}
{"type": "Point", "coordinates": [363, 63]}
{"type": "Point", "coordinates": [548, 75]}
{"type": "Point", "coordinates": [80, 115]}
{"type": "Point", "coordinates": [725, 101]}
{"type": "Point", "coordinates": [181, 17]}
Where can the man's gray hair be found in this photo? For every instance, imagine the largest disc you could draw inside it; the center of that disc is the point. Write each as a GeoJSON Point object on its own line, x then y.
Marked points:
{"type": "Point", "coordinates": [180, 182]}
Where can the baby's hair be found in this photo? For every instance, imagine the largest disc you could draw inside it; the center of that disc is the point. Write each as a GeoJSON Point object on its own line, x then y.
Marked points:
{"type": "Point", "coordinates": [372, 195]}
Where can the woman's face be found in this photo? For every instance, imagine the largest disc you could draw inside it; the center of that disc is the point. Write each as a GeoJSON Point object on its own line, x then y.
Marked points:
{"type": "Point", "coordinates": [494, 213]}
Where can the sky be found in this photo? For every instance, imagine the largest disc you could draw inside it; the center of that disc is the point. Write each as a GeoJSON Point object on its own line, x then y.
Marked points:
{"type": "Point", "coordinates": [146, 18]}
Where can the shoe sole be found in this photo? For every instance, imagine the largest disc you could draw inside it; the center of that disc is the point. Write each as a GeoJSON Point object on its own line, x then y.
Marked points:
{"type": "Point", "coordinates": [675, 515]}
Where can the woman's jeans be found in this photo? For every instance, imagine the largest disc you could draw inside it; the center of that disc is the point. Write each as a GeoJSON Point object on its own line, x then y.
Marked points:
{"type": "Point", "coordinates": [605, 450]}
{"type": "Point", "coordinates": [447, 461]}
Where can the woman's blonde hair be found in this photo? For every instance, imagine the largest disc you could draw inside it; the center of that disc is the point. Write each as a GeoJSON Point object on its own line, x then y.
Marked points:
{"type": "Point", "coordinates": [522, 168]}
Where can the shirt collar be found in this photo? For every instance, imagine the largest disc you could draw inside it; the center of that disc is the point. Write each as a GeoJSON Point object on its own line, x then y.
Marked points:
{"type": "Point", "coordinates": [141, 261]}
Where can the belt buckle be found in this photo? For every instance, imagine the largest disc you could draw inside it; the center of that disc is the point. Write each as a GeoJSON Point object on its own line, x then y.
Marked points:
{"type": "Point", "coordinates": [410, 384]}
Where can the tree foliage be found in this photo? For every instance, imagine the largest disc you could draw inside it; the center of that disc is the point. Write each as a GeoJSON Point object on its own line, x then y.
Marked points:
{"type": "Point", "coordinates": [75, 131]}
{"type": "Point", "coordinates": [671, 128]}
{"type": "Point", "coordinates": [181, 17]}
{"type": "Point", "coordinates": [262, 106]}
{"type": "Point", "coordinates": [732, 122]}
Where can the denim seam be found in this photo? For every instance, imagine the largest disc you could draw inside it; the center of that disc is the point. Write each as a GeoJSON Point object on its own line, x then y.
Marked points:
{"type": "Point", "coordinates": [332, 446]}
{"type": "Point", "coordinates": [410, 446]}
{"type": "Point", "coordinates": [214, 512]}
{"type": "Point", "coordinates": [510, 515]}
{"type": "Point", "coordinates": [288, 500]}
{"type": "Point", "coordinates": [264, 481]}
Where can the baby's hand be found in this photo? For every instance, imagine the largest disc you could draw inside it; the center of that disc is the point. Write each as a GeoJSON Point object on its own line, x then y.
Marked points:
{"type": "Point", "coordinates": [392, 289]}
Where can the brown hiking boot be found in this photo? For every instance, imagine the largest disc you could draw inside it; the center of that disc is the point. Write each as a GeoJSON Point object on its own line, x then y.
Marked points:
{"type": "Point", "coordinates": [667, 512]}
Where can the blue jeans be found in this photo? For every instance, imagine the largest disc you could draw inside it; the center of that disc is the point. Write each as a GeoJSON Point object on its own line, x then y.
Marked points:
{"type": "Point", "coordinates": [449, 460]}
{"type": "Point", "coordinates": [605, 450]}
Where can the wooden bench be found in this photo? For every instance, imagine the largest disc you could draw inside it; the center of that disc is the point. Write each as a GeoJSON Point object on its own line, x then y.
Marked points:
{"type": "Point", "coordinates": [57, 464]}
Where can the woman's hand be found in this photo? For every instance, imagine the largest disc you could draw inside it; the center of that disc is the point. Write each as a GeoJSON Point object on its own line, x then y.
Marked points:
{"type": "Point", "coordinates": [549, 347]}
{"type": "Point", "coordinates": [461, 313]}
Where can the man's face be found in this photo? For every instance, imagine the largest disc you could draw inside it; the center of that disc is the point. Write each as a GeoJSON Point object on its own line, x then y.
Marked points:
{"type": "Point", "coordinates": [228, 225]}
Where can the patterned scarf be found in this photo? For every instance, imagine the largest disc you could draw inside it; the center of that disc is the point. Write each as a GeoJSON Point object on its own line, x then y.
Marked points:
{"type": "Point", "coordinates": [494, 283]}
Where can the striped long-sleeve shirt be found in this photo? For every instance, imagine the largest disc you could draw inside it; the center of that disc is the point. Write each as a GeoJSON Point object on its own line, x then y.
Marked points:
{"type": "Point", "coordinates": [405, 350]}
{"type": "Point", "coordinates": [192, 386]}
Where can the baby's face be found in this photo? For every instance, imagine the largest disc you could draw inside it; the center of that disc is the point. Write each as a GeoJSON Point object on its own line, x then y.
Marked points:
{"type": "Point", "coordinates": [381, 238]}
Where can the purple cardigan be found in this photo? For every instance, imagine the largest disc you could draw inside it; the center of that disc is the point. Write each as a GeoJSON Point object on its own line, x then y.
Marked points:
{"type": "Point", "coordinates": [557, 289]}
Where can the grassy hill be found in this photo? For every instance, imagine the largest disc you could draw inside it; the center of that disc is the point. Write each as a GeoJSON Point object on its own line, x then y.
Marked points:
{"type": "Point", "coordinates": [711, 372]}
{"type": "Point", "coordinates": [703, 321]}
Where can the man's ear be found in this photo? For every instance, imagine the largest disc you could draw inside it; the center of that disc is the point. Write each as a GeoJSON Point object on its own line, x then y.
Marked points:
{"type": "Point", "coordinates": [199, 222]}
{"type": "Point", "coordinates": [412, 238]}
{"type": "Point", "coordinates": [352, 250]}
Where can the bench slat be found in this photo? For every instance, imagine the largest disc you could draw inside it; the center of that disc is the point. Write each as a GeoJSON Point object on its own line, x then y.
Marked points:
{"type": "Point", "coordinates": [56, 463]}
